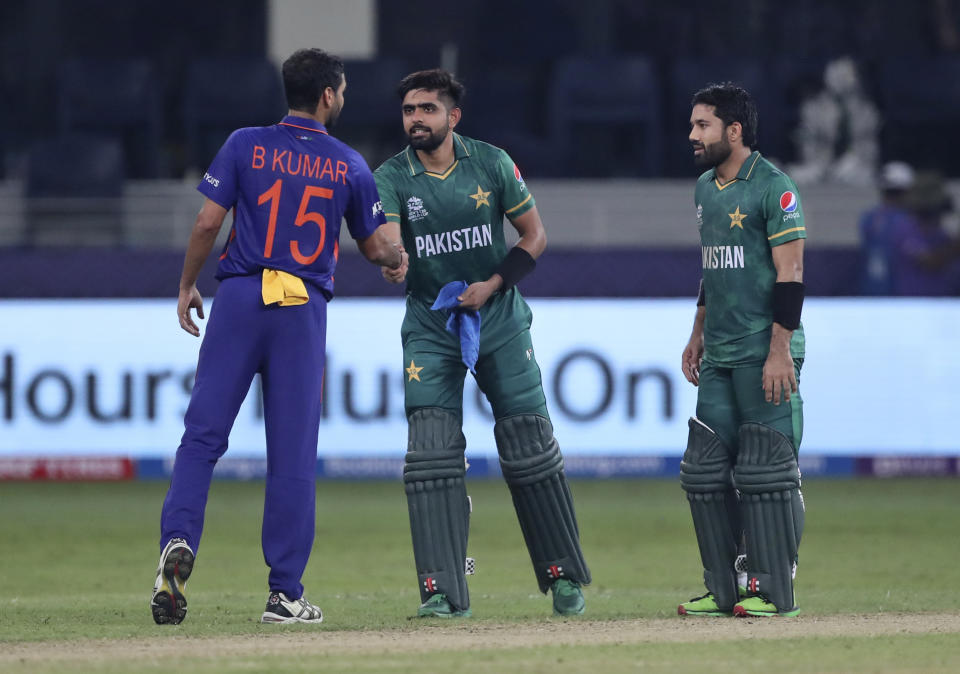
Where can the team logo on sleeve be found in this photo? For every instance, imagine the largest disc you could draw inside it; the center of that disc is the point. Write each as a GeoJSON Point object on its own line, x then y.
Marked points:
{"type": "Point", "coordinates": [516, 173]}
{"type": "Point", "coordinates": [377, 208]}
{"type": "Point", "coordinates": [699, 217]}
{"type": "Point", "coordinates": [788, 202]}
{"type": "Point", "coordinates": [415, 209]}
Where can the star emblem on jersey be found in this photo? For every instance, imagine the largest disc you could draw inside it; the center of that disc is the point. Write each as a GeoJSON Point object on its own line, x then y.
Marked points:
{"type": "Point", "coordinates": [413, 371]}
{"type": "Point", "coordinates": [481, 197]}
{"type": "Point", "coordinates": [736, 218]}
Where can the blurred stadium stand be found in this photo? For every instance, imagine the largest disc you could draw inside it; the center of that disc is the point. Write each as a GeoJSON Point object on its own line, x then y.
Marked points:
{"type": "Point", "coordinates": [590, 99]}
{"type": "Point", "coordinates": [223, 95]}
{"type": "Point", "coordinates": [920, 98]}
{"type": "Point", "coordinates": [605, 114]}
{"type": "Point", "coordinates": [73, 189]}
{"type": "Point", "coordinates": [119, 99]}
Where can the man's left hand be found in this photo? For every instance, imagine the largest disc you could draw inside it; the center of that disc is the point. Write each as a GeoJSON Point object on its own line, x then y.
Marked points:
{"type": "Point", "coordinates": [779, 375]}
{"type": "Point", "coordinates": [476, 294]}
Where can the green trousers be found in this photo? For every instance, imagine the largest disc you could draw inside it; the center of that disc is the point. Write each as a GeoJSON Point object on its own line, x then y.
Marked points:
{"type": "Point", "coordinates": [507, 370]}
{"type": "Point", "coordinates": [731, 396]}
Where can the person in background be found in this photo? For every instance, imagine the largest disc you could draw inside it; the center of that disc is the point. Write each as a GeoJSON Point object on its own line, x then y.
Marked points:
{"type": "Point", "coordinates": [879, 227]}
{"type": "Point", "coordinates": [926, 256]}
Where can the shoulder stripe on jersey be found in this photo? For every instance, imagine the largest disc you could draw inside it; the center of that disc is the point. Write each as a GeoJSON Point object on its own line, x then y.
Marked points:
{"type": "Point", "coordinates": [786, 231]}
{"type": "Point", "coordinates": [519, 205]}
{"type": "Point", "coordinates": [755, 160]}
{"type": "Point", "coordinates": [307, 128]}
{"type": "Point", "coordinates": [462, 144]}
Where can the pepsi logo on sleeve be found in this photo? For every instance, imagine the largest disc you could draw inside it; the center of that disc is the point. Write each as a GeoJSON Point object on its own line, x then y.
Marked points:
{"type": "Point", "coordinates": [788, 202]}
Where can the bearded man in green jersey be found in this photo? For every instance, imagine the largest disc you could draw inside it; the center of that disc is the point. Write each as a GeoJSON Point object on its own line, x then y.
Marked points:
{"type": "Point", "coordinates": [446, 195]}
{"type": "Point", "coordinates": [740, 467]}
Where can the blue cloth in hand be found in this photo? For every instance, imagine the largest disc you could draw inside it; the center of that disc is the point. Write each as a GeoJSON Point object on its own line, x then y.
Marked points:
{"type": "Point", "coordinates": [464, 323]}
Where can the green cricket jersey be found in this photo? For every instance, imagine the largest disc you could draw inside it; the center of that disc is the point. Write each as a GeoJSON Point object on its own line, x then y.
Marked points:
{"type": "Point", "coordinates": [739, 223]}
{"type": "Point", "coordinates": [452, 223]}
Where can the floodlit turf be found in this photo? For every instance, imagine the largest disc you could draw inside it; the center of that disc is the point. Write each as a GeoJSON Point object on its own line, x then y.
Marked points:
{"type": "Point", "coordinates": [77, 561]}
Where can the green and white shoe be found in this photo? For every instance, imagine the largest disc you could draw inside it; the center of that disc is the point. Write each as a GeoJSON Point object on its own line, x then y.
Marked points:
{"type": "Point", "coordinates": [437, 606]}
{"type": "Point", "coordinates": [702, 606]}
{"type": "Point", "coordinates": [759, 607]}
{"type": "Point", "coordinates": [567, 597]}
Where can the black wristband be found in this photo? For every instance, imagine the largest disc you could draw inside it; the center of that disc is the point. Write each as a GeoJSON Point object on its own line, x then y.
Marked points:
{"type": "Point", "coordinates": [701, 296]}
{"type": "Point", "coordinates": [787, 303]}
{"type": "Point", "coordinates": [517, 264]}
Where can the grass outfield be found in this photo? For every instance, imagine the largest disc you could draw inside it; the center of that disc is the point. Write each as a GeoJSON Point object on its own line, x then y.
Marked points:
{"type": "Point", "coordinates": [879, 585]}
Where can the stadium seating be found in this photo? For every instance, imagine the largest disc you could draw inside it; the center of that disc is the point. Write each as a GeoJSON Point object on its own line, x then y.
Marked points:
{"type": "Point", "coordinates": [919, 99]}
{"type": "Point", "coordinates": [223, 95]}
{"type": "Point", "coordinates": [371, 123]}
{"type": "Point", "coordinates": [604, 113]}
{"type": "Point", "coordinates": [505, 106]}
{"type": "Point", "coordinates": [73, 187]}
{"type": "Point", "coordinates": [119, 99]}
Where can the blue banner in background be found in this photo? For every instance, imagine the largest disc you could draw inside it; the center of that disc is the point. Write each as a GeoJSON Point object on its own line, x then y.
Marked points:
{"type": "Point", "coordinates": [113, 377]}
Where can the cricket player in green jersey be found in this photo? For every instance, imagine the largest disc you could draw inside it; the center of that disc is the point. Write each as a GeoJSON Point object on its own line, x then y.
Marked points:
{"type": "Point", "coordinates": [745, 352]}
{"type": "Point", "coordinates": [446, 195]}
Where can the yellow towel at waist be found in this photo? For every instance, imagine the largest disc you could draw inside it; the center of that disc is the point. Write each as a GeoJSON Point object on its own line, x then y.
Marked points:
{"type": "Point", "coordinates": [279, 287]}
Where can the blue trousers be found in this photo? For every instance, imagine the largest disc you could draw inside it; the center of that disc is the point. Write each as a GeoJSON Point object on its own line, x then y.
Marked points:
{"type": "Point", "coordinates": [287, 346]}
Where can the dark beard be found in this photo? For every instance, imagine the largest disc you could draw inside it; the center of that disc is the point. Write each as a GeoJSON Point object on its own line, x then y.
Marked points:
{"type": "Point", "coordinates": [713, 155]}
{"type": "Point", "coordinates": [430, 142]}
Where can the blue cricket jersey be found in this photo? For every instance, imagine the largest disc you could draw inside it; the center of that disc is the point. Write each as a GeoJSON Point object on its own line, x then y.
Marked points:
{"type": "Point", "coordinates": [291, 185]}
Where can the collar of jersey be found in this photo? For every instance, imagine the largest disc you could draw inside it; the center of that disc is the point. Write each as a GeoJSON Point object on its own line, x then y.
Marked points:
{"type": "Point", "coordinates": [303, 123]}
{"type": "Point", "coordinates": [460, 151]}
{"type": "Point", "coordinates": [743, 174]}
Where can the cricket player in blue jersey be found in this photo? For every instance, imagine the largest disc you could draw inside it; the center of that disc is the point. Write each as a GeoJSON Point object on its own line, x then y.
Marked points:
{"type": "Point", "coordinates": [290, 185]}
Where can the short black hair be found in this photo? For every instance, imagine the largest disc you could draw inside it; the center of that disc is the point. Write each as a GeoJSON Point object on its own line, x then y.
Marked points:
{"type": "Point", "coordinates": [307, 74]}
{"type": "Point", "coordinates": [436, 79]}
{"type": "Point", "coordinates": [731, 104]}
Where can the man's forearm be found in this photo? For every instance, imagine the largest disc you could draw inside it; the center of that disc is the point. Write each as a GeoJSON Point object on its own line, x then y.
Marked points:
{"type": "Point", "coordinates": [698, 320]}
{"type": "Point", "coordinates": [198, 249]}
{"type": "Point", "coordinates": [780, 339]}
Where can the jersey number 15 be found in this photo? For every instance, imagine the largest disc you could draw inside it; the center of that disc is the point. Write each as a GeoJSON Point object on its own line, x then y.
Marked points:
{"type": "Point", "coordinates": [303, 216]}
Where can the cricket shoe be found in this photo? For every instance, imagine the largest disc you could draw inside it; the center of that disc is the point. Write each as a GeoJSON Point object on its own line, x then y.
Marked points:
{"type": "Point", "coordinates": [758, 606]}
{"type": "Point", "coordinates": [168, 604]}
{"type": "Point", "coordinates": [281, 609]}
{"type": "Point", "coordinates": [438, 606]}
{"type": "Point", "coordinates": [703, 606]}
{"type": "Point", "coordinates": [567, 597]}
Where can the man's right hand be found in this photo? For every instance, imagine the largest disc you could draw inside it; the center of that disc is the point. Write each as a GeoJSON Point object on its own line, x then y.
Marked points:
{"type": "Point", "coordinates": [690, 361]}
{"type": "Point", "coordinates": [399, 274]}
{"type": "Point", "coordinates": [189, 299]}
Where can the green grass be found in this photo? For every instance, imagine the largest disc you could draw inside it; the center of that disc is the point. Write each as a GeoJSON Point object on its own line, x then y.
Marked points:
{"type": "Point", "coordinates": [77, 561]}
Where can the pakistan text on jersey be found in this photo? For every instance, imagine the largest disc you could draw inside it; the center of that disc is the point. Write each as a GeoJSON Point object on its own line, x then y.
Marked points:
{"type": "Point", "coordinates": [723, 257]}
{"type": "Point", "coordinates": [296, 163]}
{"type": "Point", "coordinates": [455, 241]}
